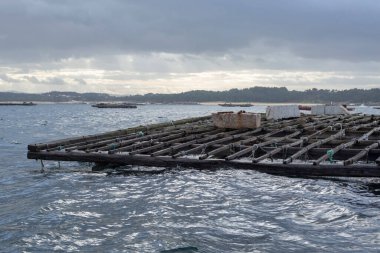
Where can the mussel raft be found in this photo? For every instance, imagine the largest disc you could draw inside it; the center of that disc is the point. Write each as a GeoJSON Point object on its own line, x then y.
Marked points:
{"type": "Point", "coordinates": [336, 145]}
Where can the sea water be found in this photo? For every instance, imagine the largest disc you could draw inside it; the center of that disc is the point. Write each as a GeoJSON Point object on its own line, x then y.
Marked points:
{"type": "Point", "coordinates": [69, 209]}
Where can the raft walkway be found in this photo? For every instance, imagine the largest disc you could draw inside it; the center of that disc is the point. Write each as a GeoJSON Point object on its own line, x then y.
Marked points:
{"type": "Point", "coordinates": [338, 145]}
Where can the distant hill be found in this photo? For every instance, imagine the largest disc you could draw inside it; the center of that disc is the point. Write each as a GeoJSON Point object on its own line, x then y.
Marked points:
{"type": "Point", "coordinates": [254, 94]}
{"type": "Point", "coordinates": [55, 96]}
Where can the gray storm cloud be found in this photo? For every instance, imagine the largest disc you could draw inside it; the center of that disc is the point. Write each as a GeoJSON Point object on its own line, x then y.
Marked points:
{"type": "Point", "coordinates": [172, 36]}
{"type": "Point", "coordinates": [346, 30]}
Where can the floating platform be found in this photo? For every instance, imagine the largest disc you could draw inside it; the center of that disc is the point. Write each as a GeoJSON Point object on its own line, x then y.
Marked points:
{"type": "Point", "coordinates": [115, 105]}
{"type": "Point", "coordinates": [235, 105]}
{"type": "Point", "coordinates": [336, 145]}
{"type": "Point", "coordinates": [18, 104]}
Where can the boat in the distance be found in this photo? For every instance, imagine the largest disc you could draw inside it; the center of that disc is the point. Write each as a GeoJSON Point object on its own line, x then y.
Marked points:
{"type": "Point", "coordinates": [115, 105]}
{"type": "Point", "coordinates": [236, 105]}
{"type": "Point", "coordinates": [20, 104]}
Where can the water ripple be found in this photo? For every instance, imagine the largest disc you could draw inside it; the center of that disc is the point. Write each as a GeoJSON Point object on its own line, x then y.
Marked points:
{"type": "Point", "coordinates": [211, 211]}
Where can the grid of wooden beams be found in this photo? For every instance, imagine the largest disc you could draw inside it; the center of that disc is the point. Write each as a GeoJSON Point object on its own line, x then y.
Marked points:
{"type": "Point", "coordinates": [308, 141]}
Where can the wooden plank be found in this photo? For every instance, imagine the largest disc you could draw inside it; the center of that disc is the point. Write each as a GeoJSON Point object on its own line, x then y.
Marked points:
{"type": "Point", "coordinates": [250, 149]}
{"type": "Point", "coordinates": [287, 146]}
{"type": "Point", "coordinates": [53, 144]}
{"type": "Point", "coordinates": [205, 145]}
{"type": "Point", "coordinates": [227, 147]}
{"type": "Point", "coordinates": [167, 143]}
{"type": "Point", "coordinates": [315, 152]}
{"type": "Point", "coordinates": [108, 140]}
{"type": "Point", "coordinates": [342, 155]}
{"type": "Point", "coordinates": [142, 146]}
{"type": "Point", "coordinates": [335, 142]}
{"type": "Point", "coordinates": [378, 161]}
{"type": "Point", "coordinates": [335, 150]}
{"type": "Point", "coordinates": [175, 148]}
{"type": "Point", "coordinates": [119, 145]}
{"type": "Point", "coordinates": [123, 143]}
{"type": "Point", "coordinates": [371, 124]}
{"type": "Point", "coordinates": [365, 170]}
{"type": "Point", "coordinates": [159, 145]}
{"type": "Point", "coordinates": [313, 145]}
{"type": "Point", "coordinates": [318, 152]}
{"type": "Point", "coordinates": [69, 147]}
{"type": "Point", "coordinates": [345, 145]}
{"type": "Point", "coordinates": [104, 141]}
{"type": "Point", "coordinates": [170, 139]}
{"type": "Point", "coordinates": [97, 143]}
{"type": "Point", "coordinates": [361, 154]}
{"type": "Point", "coordinates": [277, 150]}
{"type": "Point", "coordinates": [352, 122]}
{"type": "Point", "coordinates": [330, 122]}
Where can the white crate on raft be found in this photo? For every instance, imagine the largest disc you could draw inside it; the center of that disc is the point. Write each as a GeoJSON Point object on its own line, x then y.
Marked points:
{"type": "Point", "coordinates": [236, 120]}
{"type": "Point", "coordinates": [328, 110]}
{"type": "Point", "coordinates": [282, 112]}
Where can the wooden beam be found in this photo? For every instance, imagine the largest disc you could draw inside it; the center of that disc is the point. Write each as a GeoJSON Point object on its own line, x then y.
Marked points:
{"type": "Point", "coordinates": [250, 149]}
{"type": "Point", "coordinates": [294, 143]}
{"type": "Point", "coordinates": [170, 139]}
{"type": "Point", "coordinates": [371, 124]}
{"type": "Point", "coordinates": [69, 147]}
{"type": "Point", "coordinates": [277, 150]}
{"type": "Point", "coordinates": [307, 170]}
{"type": "Point", "coordinates": [166, 143]}
{"type": "Point", "coordinates": [53, 144]}
{"type": "Point", "coordinates": [361, 154]}
{"type": "Point", "coordinates": [315, 152]}
{"type": "Point", "coordinates": [175, 148]}
{"type": "Point", "coordinates": [352, 121]}
{"type": "Point", "coordinates": [124, 143]}
{"type": "Point", "coordinates": [205, 145]}
{"type": "Point", "coordinates": [313, 145]}
{"type": "Point", "coordinates": [345, 145]}
{"type": "Point", "coordinates": [247, 149]}
{"type": "Point", "coordinates": [227, 147]}
{"type": "Point", "coordinates": [97, 143]}
{"type": "Point", "coordinates": [118, 145]}
{"type": "Point", "coordinates": [378, 161]}
{"type": "Point", "coordinates": [141, 146]}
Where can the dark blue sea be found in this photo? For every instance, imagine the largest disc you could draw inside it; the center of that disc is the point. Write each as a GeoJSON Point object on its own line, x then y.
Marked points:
{"type": "Point", "coordinates": [69, 209]}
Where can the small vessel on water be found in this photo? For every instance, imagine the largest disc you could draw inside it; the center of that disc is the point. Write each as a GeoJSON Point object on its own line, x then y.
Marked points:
{"type": "Point", "coordinates": [236, 105]}
{"type": "Point", "coordinates": [115, 105]}
{"type": "Point", "coordinates": [18, 104]}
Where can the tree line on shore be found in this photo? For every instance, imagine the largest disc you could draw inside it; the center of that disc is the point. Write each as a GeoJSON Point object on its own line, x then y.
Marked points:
{"type": "Point", "coordinates": [254, 94]}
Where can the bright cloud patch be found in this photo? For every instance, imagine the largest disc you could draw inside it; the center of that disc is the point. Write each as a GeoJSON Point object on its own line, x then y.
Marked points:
{"type": "Point", "coordinates": [135, 47]}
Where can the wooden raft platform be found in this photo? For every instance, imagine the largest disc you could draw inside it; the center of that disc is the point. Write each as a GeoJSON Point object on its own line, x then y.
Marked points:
{"type": "Point", "coordinates": [115, 105]}
{"type": "Point", "coordinates": [339, 145]}
{"type": "Point", "coordinates": [17, 104]}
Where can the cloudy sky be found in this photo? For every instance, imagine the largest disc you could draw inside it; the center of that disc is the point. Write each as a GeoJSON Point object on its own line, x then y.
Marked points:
{"type": "Point", "coordinates": [167, 46]}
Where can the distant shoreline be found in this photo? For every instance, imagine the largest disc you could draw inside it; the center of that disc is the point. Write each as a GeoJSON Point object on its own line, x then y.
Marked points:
{"type": "Point", "coordinates": [255, 95]}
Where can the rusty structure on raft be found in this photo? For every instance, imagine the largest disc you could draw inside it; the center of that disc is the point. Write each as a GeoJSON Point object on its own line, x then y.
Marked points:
{"type": "Point", "coordinates": [335, 145]}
